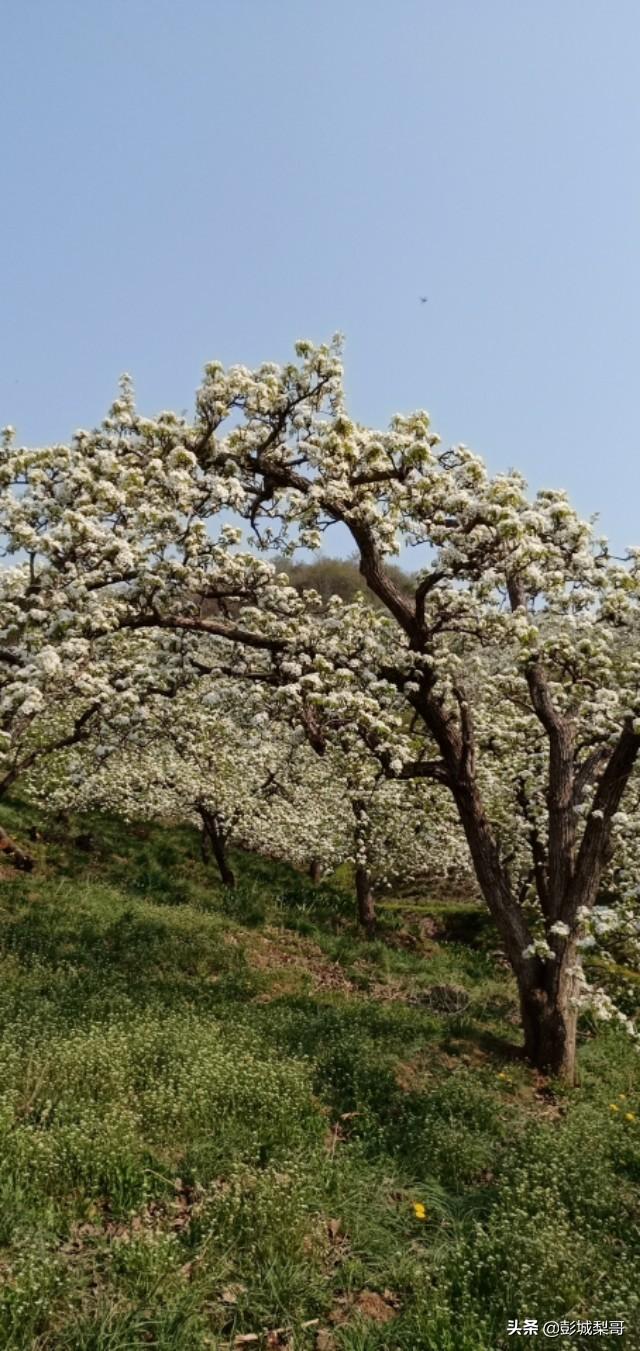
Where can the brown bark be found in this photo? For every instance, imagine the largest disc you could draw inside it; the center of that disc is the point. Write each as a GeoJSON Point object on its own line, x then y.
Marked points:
{"type": "Point", "coordinates": [594, 851]}
{"type": "Point", "coordinates": [366, 905]}
{"type": "Point", "coordinates": [227, 874]}
{"type": "Point", "coordinates": [550, 1016]}
{"type": "Point", "coordinates": [491, 872]}
{"type": "Point", "coordinates": [315, 871]}
{"type": "Point", "coordinates": [546, 988]}
{"type": "Point", "coordinates": [217, 841]}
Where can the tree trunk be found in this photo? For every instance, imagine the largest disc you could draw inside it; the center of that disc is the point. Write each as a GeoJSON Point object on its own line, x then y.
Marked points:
{"type": "Point", "coordinates": [366, 908]}
{"type": "Point", "coordinates": [315, 871]}
{"type": "Point", "coordinates": [491, 874]}
{"type": "Point", "coordinates": [546, 988]}
{"type": "Point", "coordinates": [550, 1016]}
{"type": "Point", "coordinates": [227, 874]}
{"type": "Point", "coordinates": [217, 841]}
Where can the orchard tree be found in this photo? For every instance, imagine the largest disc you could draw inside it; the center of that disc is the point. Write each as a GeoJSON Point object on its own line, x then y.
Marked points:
{"type": "Point", "coordinates": [509, 678]}
{"type": "Point", "coordinates": [522, 580]}
{"type": "Point", "coordinates": [196, 758]}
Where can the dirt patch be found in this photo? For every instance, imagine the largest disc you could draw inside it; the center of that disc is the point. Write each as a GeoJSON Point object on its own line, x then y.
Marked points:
{"type": "Point", "coordinates": [171, 1214]}
{"type": "Point", "coordinates": [279, 988]}
{"type": "Point", "coordinates": [377, 1308]}
{"type": "Point", "coordinates": [370, 1305]}
{"type": "Point", "coordinates": [274, 949]}
{"type": "Point", "coordinates": [277, 949]}
{"type": "Point", "coordinates": [325, 1341]}
{"type": "Point", "coordinates": [410, 1075]}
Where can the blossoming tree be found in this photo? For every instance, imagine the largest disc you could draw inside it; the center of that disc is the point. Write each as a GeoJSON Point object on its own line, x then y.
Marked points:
{"type": "Point", "coordinates": [510, 678]}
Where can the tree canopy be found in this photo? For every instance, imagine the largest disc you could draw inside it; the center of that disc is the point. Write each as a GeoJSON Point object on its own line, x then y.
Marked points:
{"type": "Point", "coordinates": [505, 674]}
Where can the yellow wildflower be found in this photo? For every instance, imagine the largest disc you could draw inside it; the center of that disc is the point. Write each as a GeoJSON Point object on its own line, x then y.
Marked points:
{"type": "Point", "coordinates": [419, 1210]}
{"type": "Point", "coordinates": [614, 1107]}
{"type": "Point", "coordinates": [629, 1116]}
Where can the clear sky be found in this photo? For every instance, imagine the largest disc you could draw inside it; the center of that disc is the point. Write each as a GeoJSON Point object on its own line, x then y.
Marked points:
{"type": "Point", "coordinates": [190, 179]}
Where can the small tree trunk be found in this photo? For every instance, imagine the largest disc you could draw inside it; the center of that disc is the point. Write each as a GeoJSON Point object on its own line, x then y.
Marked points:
{"type": "Point", "coordinates": [227, 874]}
{"type": "Point", "coordinates": [366, 907]}
{"type": "Point", "coordinates": [315, 871]}
{"type": "Point", "coordinates": [217, 841]}
{"type": "Point", "coordinates": [550, 1018]}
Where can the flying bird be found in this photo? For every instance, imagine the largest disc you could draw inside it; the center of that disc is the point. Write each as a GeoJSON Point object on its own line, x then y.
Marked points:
{"type": "Point", "coordinates": [423, 300]}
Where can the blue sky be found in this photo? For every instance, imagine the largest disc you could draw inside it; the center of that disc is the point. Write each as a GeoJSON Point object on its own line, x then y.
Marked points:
{"type": "Point", "coordinates": [216, 178]}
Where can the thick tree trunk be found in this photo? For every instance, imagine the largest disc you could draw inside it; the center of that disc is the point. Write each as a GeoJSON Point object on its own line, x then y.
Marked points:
{"type": "Point", "coordinates": [546, 988]}
{"type": "Point", "coordinates": [550, 1019]}
{"type": "Point", "coordinates": [366, 907]}
{"type": "Point", "coordinates": [315, 871]}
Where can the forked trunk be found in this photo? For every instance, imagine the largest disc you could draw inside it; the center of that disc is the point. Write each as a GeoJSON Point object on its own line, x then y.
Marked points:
{"type": "Point", "coordinates": [546, 988]}
{"type": "Point", "coordinates": [366, 907]}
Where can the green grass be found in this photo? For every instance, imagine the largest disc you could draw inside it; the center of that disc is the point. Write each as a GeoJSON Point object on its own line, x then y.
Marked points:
{"type": "Point", "coordinates": [217, 1111]}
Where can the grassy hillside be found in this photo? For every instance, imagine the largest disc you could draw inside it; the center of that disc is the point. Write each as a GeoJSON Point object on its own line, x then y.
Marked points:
{"type": "Point", "coordinates": [225, 1121]}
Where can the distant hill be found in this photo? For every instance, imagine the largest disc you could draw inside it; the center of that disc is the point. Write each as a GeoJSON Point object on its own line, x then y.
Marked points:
{"type": "Point", "coordinates": [338, 577]}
